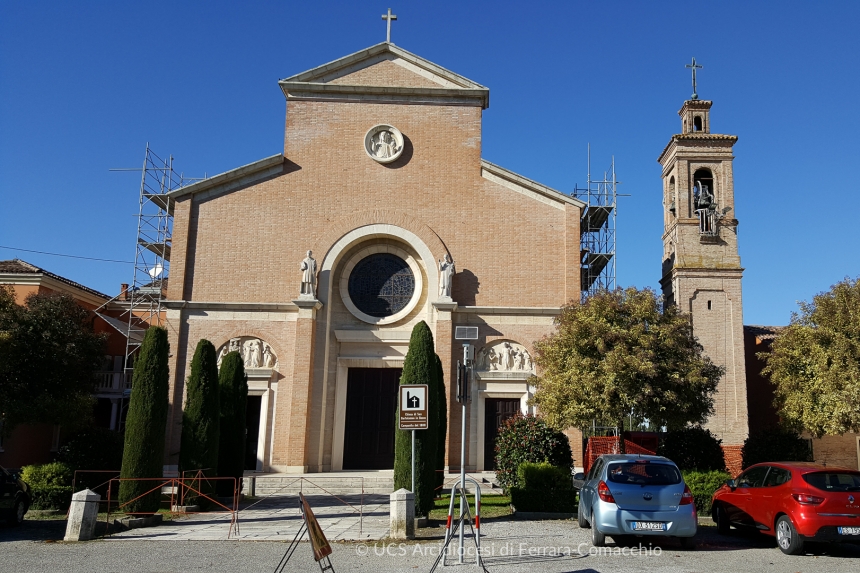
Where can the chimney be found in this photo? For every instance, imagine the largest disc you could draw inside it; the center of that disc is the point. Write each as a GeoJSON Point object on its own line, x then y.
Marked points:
{"type": "Point", "coordinates": [123, 291]}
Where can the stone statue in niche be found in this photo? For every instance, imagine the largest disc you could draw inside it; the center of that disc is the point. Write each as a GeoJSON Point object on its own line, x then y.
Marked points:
{"type": "Point", "coordinates": [309, 276]}
{"type": "Point", "coordinates": [446, 276]}
{"type": "Point", "coordinates": [505, 356]}
{"type": "Point", "coordinates": [254, 352]}
{"type": "Point", "coordinates": [268, 357]}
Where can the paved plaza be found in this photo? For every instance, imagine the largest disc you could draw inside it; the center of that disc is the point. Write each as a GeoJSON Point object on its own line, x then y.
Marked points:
{"type": "Point", "coordinates": [508, 546]}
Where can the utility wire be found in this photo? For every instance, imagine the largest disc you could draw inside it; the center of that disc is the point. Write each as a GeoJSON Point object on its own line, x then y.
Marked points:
{"type": "Point", "coordinates": [69, 256]}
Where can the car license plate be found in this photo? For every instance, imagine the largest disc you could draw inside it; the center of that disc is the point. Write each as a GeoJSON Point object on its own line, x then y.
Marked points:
{"type": "Point", "coordinates": [649, 526]}
{"type": "Point", "coordinates": [848, 530]}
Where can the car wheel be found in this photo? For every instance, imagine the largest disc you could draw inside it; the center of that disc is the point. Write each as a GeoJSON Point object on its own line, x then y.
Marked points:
{"type": "Point", "coordinates": [786, 536]}
{"type": "Point", "coordinates": [580, 519]}
{"type": "Point", "coordinates": [597, 538]}
{"type": "Point", "coordinates": [722, 520]}
{"type": "Point", "coordinates": [687, 543]}
{"type": "Point", "coordinates": [16, 517]}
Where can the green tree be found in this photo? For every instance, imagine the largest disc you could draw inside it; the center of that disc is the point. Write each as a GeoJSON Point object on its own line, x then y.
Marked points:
{"type": "Point", "coordinates": [419, 367]}
{"type": "Point", "coordinates": [48, 357]}
{"type": "Point", "coordinates": [617, 354]}
{"type": "Point", "coordinates": [442, 422]}
{"type": "Point", "coordinates": [815, 363]}
{"type": "Point", "coordinates": [145, 425]}
{"type": "Point", "coordinates": [233, 386]}
{"type": "Point", "coordinates": [201, 417]}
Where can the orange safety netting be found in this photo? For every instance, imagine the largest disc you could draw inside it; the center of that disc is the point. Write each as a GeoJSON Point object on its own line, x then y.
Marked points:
{"type": "Point", "coordinates": [734, 459]}
{"type": "Point", "coordinates": [600, 445]}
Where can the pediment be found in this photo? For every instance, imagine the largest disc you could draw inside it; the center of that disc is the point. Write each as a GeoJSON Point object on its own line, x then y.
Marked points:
{"type": "Point", "coordinates": [383, 70]}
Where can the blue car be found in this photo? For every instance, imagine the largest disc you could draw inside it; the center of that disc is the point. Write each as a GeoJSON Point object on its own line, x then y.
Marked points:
{"type": "Point", "coordinates": [629, 494]}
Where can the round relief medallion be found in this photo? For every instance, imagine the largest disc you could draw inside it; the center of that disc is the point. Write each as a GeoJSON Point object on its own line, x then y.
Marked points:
{"type": "Point", "coordinates": [381, 285]}
{"type": "Point", "coordinates": [383, 143]}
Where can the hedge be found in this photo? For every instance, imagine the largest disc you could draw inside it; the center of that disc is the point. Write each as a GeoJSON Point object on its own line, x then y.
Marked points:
{"type": "Point", "coordinates": [51, 497]}
{"type": "Point", "coordinates": [703, 485]}
{"type": "Point", "coordinates": [693, 449]}
{"type": "Point", "coordinates": [544, 488]}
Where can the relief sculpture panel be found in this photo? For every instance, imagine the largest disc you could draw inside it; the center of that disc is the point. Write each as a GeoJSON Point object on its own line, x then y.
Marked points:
{"type": "Point", "coordinates": [255, 353]}
{"type": "Point", "coordinates": [505, 356]}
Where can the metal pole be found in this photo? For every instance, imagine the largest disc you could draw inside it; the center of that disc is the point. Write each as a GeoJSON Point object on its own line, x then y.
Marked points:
{"type": "Point", "coordinates": [413, 461]}
{"type": "Point", "coordinates": [466, 390]}
{"type": "Point", "coordinates": [461, 550]}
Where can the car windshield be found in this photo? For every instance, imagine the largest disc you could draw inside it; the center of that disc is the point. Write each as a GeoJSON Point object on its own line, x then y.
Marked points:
{"type": "Point", "coordinates": [834, 481]}
{"type": "Point", "coordinates": [644, 473]}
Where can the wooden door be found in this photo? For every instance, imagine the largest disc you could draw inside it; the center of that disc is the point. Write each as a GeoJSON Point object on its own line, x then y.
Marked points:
{"type": "Point", "coordinates": [496, 411]}
{"type": "Point", "coordinates": [371, 406]}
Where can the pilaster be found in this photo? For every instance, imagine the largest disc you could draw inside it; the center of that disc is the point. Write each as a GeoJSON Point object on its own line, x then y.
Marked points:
{"type": "Point", "coordinates": [444, 338]}
{"type": "Point", "coordinates": [293, 408]}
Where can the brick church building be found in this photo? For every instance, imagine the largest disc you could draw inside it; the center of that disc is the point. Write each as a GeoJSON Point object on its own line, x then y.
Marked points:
{"type": "Point", "coordinates": [317, 262]}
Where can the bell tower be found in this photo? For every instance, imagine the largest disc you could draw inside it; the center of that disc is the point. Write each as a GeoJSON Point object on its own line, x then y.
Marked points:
{"type": "Point", "coordinates": [701, 266]}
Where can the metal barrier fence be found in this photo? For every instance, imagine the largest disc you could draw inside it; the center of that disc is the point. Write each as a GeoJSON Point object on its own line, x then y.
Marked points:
{"type": "Point", "coordinates": [178, 489]}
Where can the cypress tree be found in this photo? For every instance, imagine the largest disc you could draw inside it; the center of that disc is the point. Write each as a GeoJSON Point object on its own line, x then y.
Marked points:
{"type": "Point", "coordinates": [419, 367]}
{"type": "Point", "coordinates": [442, 421]}
{"type": "Point", "coordinates": [201, 417]}
{"type": "Point", "coordinates": [233, 387]}
{"type": "Point", "coordinates": [146, 423]}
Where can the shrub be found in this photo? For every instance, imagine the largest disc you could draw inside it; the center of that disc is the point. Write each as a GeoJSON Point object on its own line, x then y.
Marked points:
{"type": "Point", "coordinates": [693, 449]}
{"type": "Point", "coordinates": [775, 445]}
{"type": "Point", "coordinates": [145, 425]}
{"type": "Point", "coordinates": [703, 485]}
{"type": "Point", "coordinates": [50, 484]}
{"type": "Point", "coordinates": [51, 497]}
{"type": "Point", "coordinates": [93, 449]}
{"type": "Point", "coordinates": [48, 475]}
{"type": "Point", "coordinates": [543, 487]}
{"type": "Point", "coordinates": [419, 367]}
{"type": "Point", "coordinates": [233, 387]}
{"type": "Point", "coordinates": [528, 439]}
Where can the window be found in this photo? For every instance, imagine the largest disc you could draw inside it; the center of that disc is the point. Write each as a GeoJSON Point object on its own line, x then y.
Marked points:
{"type": "Point", "coordinates": [834, 481]}
{"type": "Point", "coordinates": [644, 473]}
{"type": "Point", "coordinates": [381, 285]}
{"type": "Point", "coordinates": [697, 123]}
{"type": "Point", "coordinates": [777, 476]}
{"type": "Point", "coordinates": [753, 477]}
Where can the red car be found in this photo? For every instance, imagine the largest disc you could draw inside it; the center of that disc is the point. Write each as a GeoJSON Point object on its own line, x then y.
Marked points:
{"type": "Point", "coordinates": [794, 501]}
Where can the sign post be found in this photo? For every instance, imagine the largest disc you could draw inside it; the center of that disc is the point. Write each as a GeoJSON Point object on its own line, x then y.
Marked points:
{"type": "Point", "coordinates": [413, 414]}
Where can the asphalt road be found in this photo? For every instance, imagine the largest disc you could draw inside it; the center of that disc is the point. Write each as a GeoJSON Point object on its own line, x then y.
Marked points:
{"type": "Point", "coordinates": [508, 546]}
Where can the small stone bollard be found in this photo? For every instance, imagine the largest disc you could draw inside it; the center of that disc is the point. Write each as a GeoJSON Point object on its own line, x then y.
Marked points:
{"type": "Point", "coordinates": [402, 508]}
{"type": "Point", "coordinates": [83, 514]}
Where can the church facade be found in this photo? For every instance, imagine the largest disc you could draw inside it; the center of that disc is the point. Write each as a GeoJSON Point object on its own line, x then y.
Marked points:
{"type": "Point", "coordinates": [317, 262]}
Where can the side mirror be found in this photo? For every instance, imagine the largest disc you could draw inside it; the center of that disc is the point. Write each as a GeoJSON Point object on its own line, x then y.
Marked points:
{"type": "Point", "coordinates": [579, 476]}
{"type": "Point", "coordinates": [731, 483]}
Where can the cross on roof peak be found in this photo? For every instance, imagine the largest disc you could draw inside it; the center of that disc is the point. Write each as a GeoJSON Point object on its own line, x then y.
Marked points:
{"type": "Point", "coordinates": [694, 66]}
{"type": "Point", "coordinates": [389, 17]}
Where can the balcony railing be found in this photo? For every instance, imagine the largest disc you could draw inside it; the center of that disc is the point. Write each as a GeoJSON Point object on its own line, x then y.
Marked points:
{"type": "Point", "coordinates": [113, 382]}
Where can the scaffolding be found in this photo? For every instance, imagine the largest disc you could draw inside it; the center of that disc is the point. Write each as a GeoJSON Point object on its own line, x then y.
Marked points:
{"type": "Point", "coordinates": [146, 292]}
{"type": "Point", "coordinates": [597, 231]}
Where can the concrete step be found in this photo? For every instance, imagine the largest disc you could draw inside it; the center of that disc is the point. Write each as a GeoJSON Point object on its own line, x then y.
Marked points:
{"type": "Point", "coordinates": [338, 484]}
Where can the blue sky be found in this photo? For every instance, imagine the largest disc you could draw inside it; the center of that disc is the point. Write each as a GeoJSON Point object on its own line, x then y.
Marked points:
{"type": "Point", "coordinates": [85, 85]}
